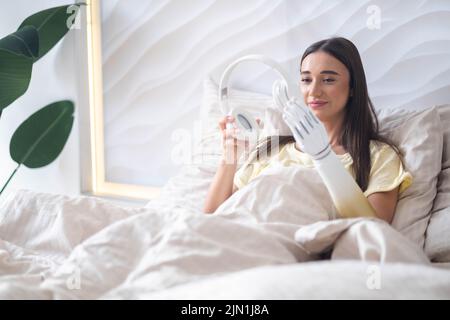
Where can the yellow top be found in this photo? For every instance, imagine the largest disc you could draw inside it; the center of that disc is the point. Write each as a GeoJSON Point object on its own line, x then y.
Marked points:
{"type": "Point", "coordinates": [386, 173]}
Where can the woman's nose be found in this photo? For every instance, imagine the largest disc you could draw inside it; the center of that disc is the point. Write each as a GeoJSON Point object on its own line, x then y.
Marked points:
{"type": "Point", "coordinates": [315, 89]}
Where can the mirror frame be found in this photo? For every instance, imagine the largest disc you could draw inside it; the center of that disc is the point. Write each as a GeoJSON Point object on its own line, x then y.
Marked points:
{"type": "Point", "coordinates": [91, 124]}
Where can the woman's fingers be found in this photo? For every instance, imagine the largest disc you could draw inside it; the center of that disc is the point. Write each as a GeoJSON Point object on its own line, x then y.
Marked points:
{"type": "Point", "coordinates": [222, 124]}
{"type": "Point", "coordinates": [298, 109]}
{"type": "Point", "coordinates": [232, 143]}
{"type": "Point", "coordinates": [226, 120]}
{"type": "Point", "coordinates": [282, 92]}
{"type": "Point", "coordinates": [313, 117]}
{"type": "Point", "coordinates": [289, 119]}
{"type": "Point", "coordinates": [230, 133]}
{"type": "Point", "coordinates": [297, 129]}
{"type": "Point", "coordinates": [303, 116]}
{"type": "Point", "coordinates": [279, 93]}
{"type": "Point", "coordinates": [309, 122]}
{"type": "Point", "coordinates": [292, 125]}
{"type": "Point", "coordinates": [308, 113]}
{"type": "Point", "coordinates": [303, 113]}
{"type": "Point", "coordinates": [260, 123]}
{"type": "Point", "coordinates": [231, 140]}
{"type": "Point", "coordinates": [291, 115]}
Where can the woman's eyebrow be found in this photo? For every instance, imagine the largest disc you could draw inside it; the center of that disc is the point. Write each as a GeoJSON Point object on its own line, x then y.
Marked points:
{"type": "Point", "coordinates": [322, 72]}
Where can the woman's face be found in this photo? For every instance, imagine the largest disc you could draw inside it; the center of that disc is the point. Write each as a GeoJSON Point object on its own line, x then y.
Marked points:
{"type": "Point", "coordinates": [325, 85]}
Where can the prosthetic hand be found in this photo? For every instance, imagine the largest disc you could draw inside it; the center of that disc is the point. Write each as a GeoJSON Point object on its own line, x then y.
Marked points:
{"type": "Point", "coordinates": [311, 136]}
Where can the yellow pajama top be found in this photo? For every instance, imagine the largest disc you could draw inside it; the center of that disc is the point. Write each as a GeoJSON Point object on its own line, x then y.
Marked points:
{"type": "Point", "coordinates": [387, 171]}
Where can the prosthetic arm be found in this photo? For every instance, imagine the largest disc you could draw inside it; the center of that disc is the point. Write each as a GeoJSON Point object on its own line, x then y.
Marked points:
{"type": "Point", "coordinates": [311, 136]}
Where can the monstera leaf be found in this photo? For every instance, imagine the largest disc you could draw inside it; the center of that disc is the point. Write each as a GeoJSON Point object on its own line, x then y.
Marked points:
{"type": "Point", "coordinates": [22, 42]}
{"type": "Point", "coordinates": [39, 140]}
{"type": "Point", "coordinates": [17, 52]}
{"type": "Point", "coordinates": [36, 35]}
{"type": "Point", "coordinates": [52, 25]}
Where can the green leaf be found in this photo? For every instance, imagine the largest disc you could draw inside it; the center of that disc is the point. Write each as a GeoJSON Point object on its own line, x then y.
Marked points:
{"type": "Point", "coordinates": [23, 42]}
{"type": "Point", "coordinates": [39, 140]}
{"type": "Point", "coordinates": [15, 75]}
{"type": "Point", "coordinates": [52, 25]}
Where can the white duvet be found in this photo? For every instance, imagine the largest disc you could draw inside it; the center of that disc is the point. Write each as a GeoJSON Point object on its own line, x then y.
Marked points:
{"type": "Point", "coordinates": [261, 243]}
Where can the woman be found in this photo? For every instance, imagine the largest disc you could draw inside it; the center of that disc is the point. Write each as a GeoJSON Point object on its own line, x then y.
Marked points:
{"type": "Point", "coordinates": [334, 88]}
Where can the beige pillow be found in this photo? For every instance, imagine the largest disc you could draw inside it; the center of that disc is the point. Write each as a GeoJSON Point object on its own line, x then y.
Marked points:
{"type": "Point", "coordinates": [444, 114]}
{"type": "Point", "coordinates": [443, 196]}
{"type": "Point", "coordinates": [419, 135]}
{"type": "Point", "coordinates": [437, 243]}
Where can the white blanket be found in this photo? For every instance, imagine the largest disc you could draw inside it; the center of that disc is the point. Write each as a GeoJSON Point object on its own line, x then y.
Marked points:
{"type": "Point", "coordinates": [58, 247]}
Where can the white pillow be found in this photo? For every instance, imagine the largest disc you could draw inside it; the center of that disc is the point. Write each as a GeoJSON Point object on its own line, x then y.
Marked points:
{"type": "Point", "coordinates": [260, 105]}
{"type": "Point", "coordinates": [419, 135]}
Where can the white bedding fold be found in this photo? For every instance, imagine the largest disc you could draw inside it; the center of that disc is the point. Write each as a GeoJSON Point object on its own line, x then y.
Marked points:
{"type": "Point", "coordinates": [363, 239]}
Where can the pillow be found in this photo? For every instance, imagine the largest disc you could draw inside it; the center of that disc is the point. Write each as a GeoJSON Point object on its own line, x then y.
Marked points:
{"type": "Point", "coordinates": [437, 242]}
{"type": "Point", "coordinates": [443, 196]}
{"type": "Point", "coordinates": [418, 134]}
{"type": "Point", "coordinates": [209, 150]}
{"type": "Point", "coordinates": [444, 114]}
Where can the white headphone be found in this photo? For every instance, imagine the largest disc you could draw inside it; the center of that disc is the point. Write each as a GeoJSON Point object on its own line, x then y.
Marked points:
{"type": "Point", "coordinates": [282, 89]}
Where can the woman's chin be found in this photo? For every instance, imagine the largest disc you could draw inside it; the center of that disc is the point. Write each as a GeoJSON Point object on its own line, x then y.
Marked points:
{"type": "Point", "coordinates": [319, 114]}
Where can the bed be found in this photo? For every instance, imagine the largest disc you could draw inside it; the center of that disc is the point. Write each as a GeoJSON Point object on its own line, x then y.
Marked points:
{"type": "Point", "coordinates": [262, 243]}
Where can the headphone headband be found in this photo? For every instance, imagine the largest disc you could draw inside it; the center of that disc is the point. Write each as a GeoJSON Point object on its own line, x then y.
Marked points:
{"type": "Point", "coordinates": [223, 85]}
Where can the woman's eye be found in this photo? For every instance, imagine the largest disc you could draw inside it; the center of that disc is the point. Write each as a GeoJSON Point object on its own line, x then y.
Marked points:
{"type": "Point", "coordinates": [306, 80]}
{"type": "Point", "coordinates": [328, 80]}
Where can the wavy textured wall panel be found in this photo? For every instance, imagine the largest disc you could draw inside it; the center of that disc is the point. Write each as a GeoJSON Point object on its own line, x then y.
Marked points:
{"type": "Point", "coordinates": [156, 54]}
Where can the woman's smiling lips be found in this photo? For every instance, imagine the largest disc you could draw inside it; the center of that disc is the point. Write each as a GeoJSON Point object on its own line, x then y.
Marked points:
{"type": "Point", "coordinates": [317, 104]}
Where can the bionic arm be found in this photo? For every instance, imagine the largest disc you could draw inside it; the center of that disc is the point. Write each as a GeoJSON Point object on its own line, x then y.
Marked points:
{"type": "Point", "coordinates": [347, 196]}
{"type": "Point", "coordinates": [311, 136]}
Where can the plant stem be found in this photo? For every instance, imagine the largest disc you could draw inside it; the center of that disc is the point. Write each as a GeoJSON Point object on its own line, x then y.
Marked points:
{"type": "Point", "coordinates": [9, 179]}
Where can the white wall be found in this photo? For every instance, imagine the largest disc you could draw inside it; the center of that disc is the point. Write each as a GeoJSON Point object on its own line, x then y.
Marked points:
{"type": "Point", "coordinates": [53, 79]}
{"type": "Point", "coordinates": [156, 56]}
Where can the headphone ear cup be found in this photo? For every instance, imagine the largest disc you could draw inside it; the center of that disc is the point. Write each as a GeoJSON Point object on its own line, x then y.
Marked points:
{"type": "Point", "coordinates": [246, 123]}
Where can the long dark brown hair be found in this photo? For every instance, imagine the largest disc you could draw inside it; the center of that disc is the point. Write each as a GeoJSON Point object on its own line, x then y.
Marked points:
{"type": "Point", "coordinates": [360, 124]}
